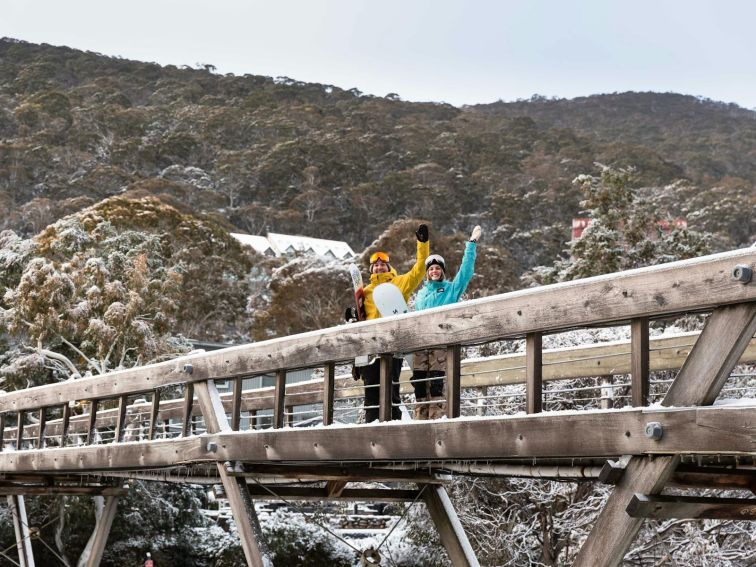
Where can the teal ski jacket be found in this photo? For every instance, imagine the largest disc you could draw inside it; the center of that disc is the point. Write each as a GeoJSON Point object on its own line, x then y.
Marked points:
{"type": "Point", "coordinates": [435, 294]}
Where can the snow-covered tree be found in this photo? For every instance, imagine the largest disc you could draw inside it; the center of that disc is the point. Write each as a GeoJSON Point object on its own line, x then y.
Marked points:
{"type": "Point", "coordinates": [625, 232]}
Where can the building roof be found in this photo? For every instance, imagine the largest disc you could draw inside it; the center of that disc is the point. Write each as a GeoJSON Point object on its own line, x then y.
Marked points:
{"type": "Point", "coordinates": [275, 244]}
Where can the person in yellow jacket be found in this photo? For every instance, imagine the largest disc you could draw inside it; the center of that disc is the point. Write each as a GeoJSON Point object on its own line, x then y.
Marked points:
{"type": "Point", "coordinates": [382, 272]}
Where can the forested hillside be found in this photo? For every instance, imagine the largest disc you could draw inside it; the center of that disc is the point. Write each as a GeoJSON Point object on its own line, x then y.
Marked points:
{"type": "Point", "coordinates": [120, 182]}
{"type": "Point", "coordinates": [280, 155]}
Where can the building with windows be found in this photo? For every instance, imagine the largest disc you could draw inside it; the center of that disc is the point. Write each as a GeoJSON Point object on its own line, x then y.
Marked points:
{"type": "Point", "coordinates": [274, 244]}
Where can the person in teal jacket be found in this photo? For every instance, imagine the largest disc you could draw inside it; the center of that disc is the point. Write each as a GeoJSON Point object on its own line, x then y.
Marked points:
{"type": "Point", "coordinates": [429, 366]}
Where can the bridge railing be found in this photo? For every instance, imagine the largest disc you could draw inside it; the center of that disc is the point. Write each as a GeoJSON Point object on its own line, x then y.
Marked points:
{"type": "Point", "coordinates": [634, 298]}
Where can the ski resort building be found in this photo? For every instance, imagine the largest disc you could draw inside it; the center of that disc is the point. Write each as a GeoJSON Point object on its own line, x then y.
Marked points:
{"type": "Point", "coordinates": [277, 245]}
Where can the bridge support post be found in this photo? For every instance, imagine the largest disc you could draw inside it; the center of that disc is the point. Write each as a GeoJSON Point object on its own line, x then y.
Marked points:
{"type": "Point", "coordinates": [447, 523]}
{"type": "Point", "coordinates": [21, 527]}
{"type": "Point", "coordinates": [102, 530]}
{"type": "Point", "coordinates": [242, 507]}
{"type": "Point", "coordinates": [723, 340]}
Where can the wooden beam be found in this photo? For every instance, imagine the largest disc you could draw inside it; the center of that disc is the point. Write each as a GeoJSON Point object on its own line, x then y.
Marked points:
{"type": "Point", "coordinates": [725, 337]}
{"type": "Point", "coordinates": [667, 353]}
{"type": "Point", "coordinates": [720, 345]}
{"type": "Point", "coordinates": [724, 430]}
{"type": "Point", "coordinates": [2, 431]}
{"type": "Point", "coordinates": [639, 364]}
{"type": "Point", "coordinates": [384, 397]}
{"type": "Point", "coordinates": [62, 491]}
{"type": "Point", "coordinates": [534, 372]}
{"type": "Point", "coordinates": [154, 414]}
{"type": "Point", "coordinates": [42, 418]}
{"type": "Point", "coordinates": [236, 403]}
{"type": "Point", "coordinates": [92, 427]}
{"type": "Point", "coordinates": [304, 493]}
{"type": "Point", "coordinates": [279, 407]}
{"type": "Point", "coordinates": [699, 284]}
{"type": "Point", "coordinates": [453, 381]}
{"type": "Point", "coordinates": [102, 530]}
{"type": "Point", "coordinates": [187, 404]}
{"type": "Point", "coordinates": [715, 477]}
{"type": "Point", "coordinates": [350, 473]}
{"type": "Point", "coordinates": [121, 418]}
{"type": "Point", "coordinates": [20, 430]}
{"type": "Point", "coordinates": [21, 528]}
{"type": "Point", "coordinates": [242, 507]}
{"type": "Point", "coordinates": [450, 529]}
{"type": "Point", "coordinates": [691, 507]}
{"type": "Point", "coordinates": [329, 377]}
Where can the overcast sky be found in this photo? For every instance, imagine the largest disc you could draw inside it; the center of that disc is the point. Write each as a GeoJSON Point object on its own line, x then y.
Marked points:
{"type": "Point", "coordinates": [461, 52]}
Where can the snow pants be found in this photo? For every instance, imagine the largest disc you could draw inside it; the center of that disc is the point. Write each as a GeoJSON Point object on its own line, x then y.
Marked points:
{"type": "Point", "coordinates": [371, 375]}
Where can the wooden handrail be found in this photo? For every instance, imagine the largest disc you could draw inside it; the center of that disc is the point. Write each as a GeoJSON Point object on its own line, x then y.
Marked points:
{"type": "Point", "coordinates": [678, 287]}
{"type": "Point", "coordinates": [605, 359]}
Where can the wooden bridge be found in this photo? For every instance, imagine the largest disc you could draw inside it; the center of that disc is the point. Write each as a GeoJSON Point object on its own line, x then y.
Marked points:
{"type": "Point", "coordinates": [168, 421]}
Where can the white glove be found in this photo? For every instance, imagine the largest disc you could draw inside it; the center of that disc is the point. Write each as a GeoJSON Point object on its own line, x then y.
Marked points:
{"type": "Point", "coordinates": [475, 234]}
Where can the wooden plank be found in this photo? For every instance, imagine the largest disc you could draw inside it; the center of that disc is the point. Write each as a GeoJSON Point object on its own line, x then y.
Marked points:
{"type": "Point", "coordinates": [350, 473]}
{"type": "Point", "coordinates": [92, 426]}
{"type": "Point", "coordinates": [188, 402]}
{"type": "Point", "coordinates": [102, 530]}
{"type": "Point", "coordinates": [65, 424]}
{"type": "Point", "coordinates": [449, 527]}
{"type": "Point", "coordinates": [329, 377]}
{"type": "Point", "coordinates": [534, 372]}
{"type": "Point", "coordinates": [20, 430]}
{"type": "Point", "coordinates": [154, 414]}
{"type": "Point", "coordinates": [724, 338]}
{"type": "Point", "coordinates": [639, 364]}
{"type": "Point", "coordinates": [697, 284]}
{"type": "Point", "coordinates": [720, 345]}
{"type": "Point", "coordinates": [279, 406]}
{"type": "Point", "coordinates": [305, 493]}
{"type": "Point", "coordinates": [453, 381]}
{"type": "Point", "coordinates": [121, 418]}
{"type": "Point", "coordinates": [715, 477]}
{"type": "Point", "coordinates": [236, 403]}
{"type": "Point", "coordinates": [691, 507]}
{"type": "Point", "coordinates": [211, 407]}
{"type": "Point", "coordinates": [242, 507]}
{"type": "Point", "coordinates": [668, 353]}
{"type": "Point", "coordinates": [384, 396]}
{"type": "Point", "coordinates": [62, 491]}
{"type": "Point", "coordinates": [42, 418]}
{"type": "Point", "coordinates": [572, 435]}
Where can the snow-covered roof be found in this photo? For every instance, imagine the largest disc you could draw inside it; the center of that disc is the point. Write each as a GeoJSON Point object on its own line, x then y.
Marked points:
{"type": "Point", "coordinates": [288, 243]}
{"type": "Point", "coordinates": [259, 243]}
{"type": "Point", "coordinates": [282, 244]}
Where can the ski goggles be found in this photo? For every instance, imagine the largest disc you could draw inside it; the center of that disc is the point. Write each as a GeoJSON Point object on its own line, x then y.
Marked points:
{"type": "Point", "coordinates": [382, 256]}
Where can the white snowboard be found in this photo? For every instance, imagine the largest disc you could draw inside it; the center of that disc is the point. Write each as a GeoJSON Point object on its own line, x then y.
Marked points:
{"type": "Point", "coordinates": [388, 300]}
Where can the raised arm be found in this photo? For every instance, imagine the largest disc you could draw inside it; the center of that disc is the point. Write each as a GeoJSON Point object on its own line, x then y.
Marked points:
{"type": "Point", "coordinates": [467, 268]}
{"type": "Point", "coordinates": [409, 281]}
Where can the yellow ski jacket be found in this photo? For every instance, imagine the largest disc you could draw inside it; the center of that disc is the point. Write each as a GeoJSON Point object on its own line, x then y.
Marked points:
{"type": "Point", "coordinates": [405, 282]}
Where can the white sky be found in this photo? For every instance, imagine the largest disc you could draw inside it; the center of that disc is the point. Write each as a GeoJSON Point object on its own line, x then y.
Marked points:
{"type": "Point", "coordinates": [457, 51]}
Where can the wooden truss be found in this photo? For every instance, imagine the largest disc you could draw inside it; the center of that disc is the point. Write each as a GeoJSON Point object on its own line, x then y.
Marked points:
{"type": "Point", "coordinates": [653, 441]}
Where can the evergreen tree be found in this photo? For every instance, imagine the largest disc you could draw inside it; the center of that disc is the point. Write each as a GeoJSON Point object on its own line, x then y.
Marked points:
{"type": "Point", "coordinates": [625, 232]}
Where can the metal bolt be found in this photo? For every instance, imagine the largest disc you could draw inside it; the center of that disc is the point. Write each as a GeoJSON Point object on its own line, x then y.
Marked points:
{"type": "Point", "coordinates": [742, 273]}
{"type": "Point", "coordinates": [212, 447]}
{"type": "Point", "coordinates": [654, 430]}
{"type": "Point", "coordinates": [188, 368]}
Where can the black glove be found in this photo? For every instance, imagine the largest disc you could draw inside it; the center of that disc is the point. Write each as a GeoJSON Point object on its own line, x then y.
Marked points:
{"type": "Point", "coordinates": [422, 233]}
{"type": "Point", "coordinates": [350, 315]}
